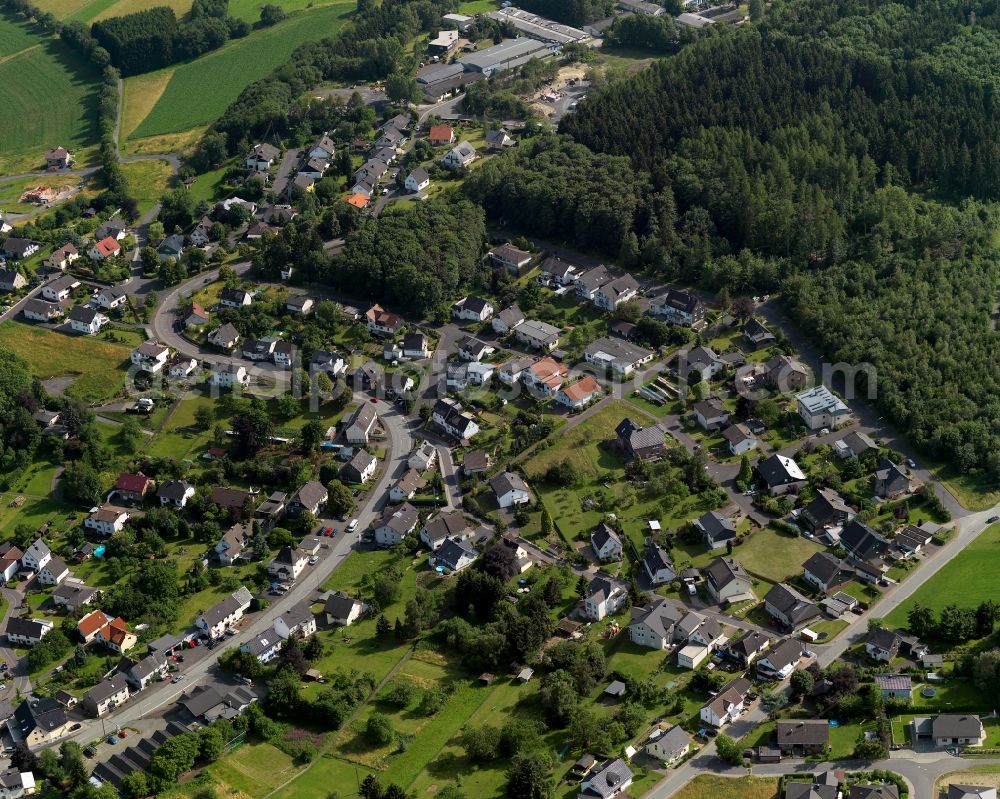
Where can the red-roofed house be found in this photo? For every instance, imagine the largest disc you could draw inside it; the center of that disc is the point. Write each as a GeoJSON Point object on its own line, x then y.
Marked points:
{"type": "Point", "coordinates": [441, 134]}
{"type": "Point", "coordinates": [133, 487]}
{"type": "Point", "coordinates": [579, 393]}
{"type": "Point", "coordinates": [105, 248]}
{"type": "Point", "coordinates": [359, 201]}
{"type": "Point", "coordinates": [117, 636]}
{"type": "Point", "coordinates": [382, 321]}
{"type": "Point", "coordinates": [91, 624]}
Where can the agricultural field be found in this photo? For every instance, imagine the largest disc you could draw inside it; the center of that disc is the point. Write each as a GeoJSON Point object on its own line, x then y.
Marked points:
{"type": "Point", "coordinates": [43, 68]}
{"type": "Point", "coordinates": [967, 579]}
{"type": "Point", "coordinates": [97, 365]}
{"type": "Point", "coordinates": [729, 788]}
{"type": "Point", "coordinates": [198, 92]}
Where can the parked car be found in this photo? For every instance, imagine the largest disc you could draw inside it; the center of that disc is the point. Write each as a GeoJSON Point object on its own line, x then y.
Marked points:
{"type": "Point", "coordinates": [352, 525]}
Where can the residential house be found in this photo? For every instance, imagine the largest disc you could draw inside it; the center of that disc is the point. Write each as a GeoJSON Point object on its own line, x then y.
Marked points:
{"type": "Point", "coordinates": [71, 596]}
{"type": "Point", "coordinates": [510, 490]}
{"type": "Point", "coordinates": [111, 228]}
{"type": "Point", "coordinates": [16, 784]}
{"type": "Point", "coordinates": [445, 526]}
{"type": "Point", "coordinates": [175, 493]}
{"type": "Point", "coordinates": [818, 788]}
{"type": "Point", "coordinates": [471, 348]}
{"type": "Point", "coordinates": [612, 779]}
{"type": "Point", "coordinates": [60, 289]}
{"type": "Point", "coordinates": [61, 258]}
{"type": "Point", "coordinates": [677, 307]}
{"type": "Point", "coordinates": [788, 606]}
{"type": "Point", "coordinates": [27, 632]}
{"type": "Point", "coordinates": [739, 439]}
{"type": "Point", "coordinates": [727, 705]}
{"type": "Point", "coordinates": [655, 626]}
{"type": "Point", "coordinates": [417, 180]}
{"type": "Point", "coordinates": [195, 316]}
{"type": "Point", "coordinates": [454, 555]}
{"type": "Point", "coordinates": [90, 625]}
{"type": "Point", "coordinates": [380, 321]}
{"type": "Point", "coordinates": [890, 480]}
{"type": "Point", "coordinates": [642, 443]}
{"type": "Point", "coordinates": [262, 157]}
{"type": "Point", "coordinates": [961, 792]}
{"type": "Point", "coordinates": [895, 686]}
{"type": "Point", "coordinates": [41, 311]}
{"type": "Point", "coordinates": [36, 556]}
{"type": "Point", "coordinates": [105, 248]}
{"type": "Point", "coordinates": [460, 156]}
{"type": "Point", "coordinates": [298, 621]}
{"type": "Point", "coordinates": [669, 747]}
{"type": "Point", "coordinates": [107, 520]}
{"type": "Point", "coordinates": [710, 414]}
{"type": "Point", "coordinates": [58, 158]}
{"type": "Point", "coordinates": [360, 468]}
{"type": "Point", "coordinates": [606, 543]}
{"type": "Point", "coordinates": [882, 644]}
{"type": "Point", "coordinates": [225, 336]}
{"type": "Point", "coordinates": [476, 461]}
{"type": "Point", "coordinates": [311, 496]}
{"type": "Point", "coordinates": [578, 394]}
{"type": "Point", "coordinates": [324, 148]}
{"type": "Point", "coordinates": [441, 134]}
{"type": "Point", "coordinates": [284, 354]}
{"type": "Point", "coordinates": [590, 280]}
{"type": "Point", "coordinates": [510, 372]}
{"type": "Point", "coordinates": [265, 646]}
{"type": "Point", "coordinates": [342, 610]}
{"type": "Point", "coordinates": [781, 474]}
{"type": "Point", "coordinates": [201, 234]}
{"type": "Point", "coordinates": [150, 356]}
{"type": "Point", "coordinates": [235, 298]}
{"type": "Point", "coordinates": [657, 564]}
{"type": "Point", "coordinates": [171, 247]}
{"type": "Point", "coordinates": [616, 292]}
{"type": "Point", "coordinates": [53, 572]}
{"type": "Point", "coordinates": [406, 486]}
{"type": "Point", "coordinates": [950, 729]}
{"type": "Point", "coordinates": [10, 561]}
{"type": "Point", "coordinates": [861, 542]}
{"type": "Point", "coordinates": [233, 543]}
{"type": "Point", "coordinates": [271, 510]}
{"type": "Point", "coordinates": [423, 457]}
{"type": "Point", "coordinates": [555, 270]}
{"type": "Point", "coordinates": [396, 523]}
{"type": "Point", "coordinates": [288, 564]}
{"type": "Point", "coordinates": [17, 249]}
{"type": "Point", "coordinates": [258, 349]}
{"type": "Point", "coordinates": [546, 375]}
{"type": "Point", "coordinates": [86, 320]}
{"type": "Point", "coordinates": [727, 581]}
{"type": "Point", "coordinates": [617, 355]}
{"type": "Point", "coordinates": [11, 280]}
{"type": "Point", "coordinates": [314, 168]}
{"type": "Point", "coordinates": [106, 696]}
{"type": "Point", "coordinates": [828, 509]}
{"type": "Point", "coordinates": [715, 529]}
{"type": "Point", "coordinates": [800, 737]}
{"type": "Point", "coordinates": [702, 361]}
{"type": "Point", "coordinates": [299, 304]}
{"type": "Point", "coordinates": [821, 408]}
{"type": "Point", "coordinates": [785, 374]}
{"type": "Point", "coordinates": [38, 721]}
{"type": "Point", "coordinates": [329, 362]}
{"type": "Point", "coordinates": [133, 487]}
{"type": "Point", "coordinates": [510, 258]}
{"type": "Point", "coordinates": [911, 539]}
{"type": "Point", "coordinates": [854, 445]}
{"type": "Point", "coordinates": [116, 636]}
{"type": "Point", "coordinates": [359, 429]}
{"type": "Point", "coordinates": [228, 375]}
{"type": "Point", "coordinates": [748, 647]}
{"type": "Point", "coordinates": [234, 501]}
{"type": "Point", "coordinates": [825, 572]}
{"type": "Point", "coordinates": [498, 139]}
{"type": "Point", "coordinates": [508, 319]}
{"type": "Point", "coordinates": [537, 335]}
{"type": "Point", "coordinates": [780, 660]}
{"type": "Point", "coordinates": [604, 595]}
{"type": "Point", "coordinates": [416, 345]}
{"type": "Point", "coordinates": [757, 335]}
{"type": "Point", "coordinates": [453, 419]}
{"type": "Point", "coordinates": [221, 616]}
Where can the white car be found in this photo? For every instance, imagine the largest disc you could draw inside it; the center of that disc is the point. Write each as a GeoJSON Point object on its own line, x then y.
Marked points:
{"type": "Point", "coordinates": [352, 525]}
{"type": "Point", "coordinates": [313, 560]}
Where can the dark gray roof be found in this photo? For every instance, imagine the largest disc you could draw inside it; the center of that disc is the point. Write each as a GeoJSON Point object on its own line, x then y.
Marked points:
{"type": "Point", "coordinates": [881, 791]}
{"type": "Point", "coordinates": [716, 527]}
{"type": "Point", "coordinates": [790, 603]}
{"type": "Point", "coordinates": [452, 551]}
{"type": "Point", "coordinates": [607, 780]}
{"type": "Point", "coordinates": [825, 567]}
{"type": "Point", "coordinates": [779, 470]}
{"type": "Point", "coordinates": [106, 688]}
{"type": "Point", "coordinates": [722, 571]}
{"type": "Point", "coordinates": [957, 726]}
{"type": "Point", "coordinates": [399, 519]}
{"type": "Point", "coordinates": [602, 534]}
{"type": "Point", "coordinates": [809, 732]}
{"type": "Point", "coordinates": [786, 653]}
{"type": "Point", "coordinates": [26, 627]}
{"type": "Point", "coordinates": [339, 605]}
{"type": "Point", "coordinates": [862, 542]}
{"type": "Point", "coordinates": [174, 490]}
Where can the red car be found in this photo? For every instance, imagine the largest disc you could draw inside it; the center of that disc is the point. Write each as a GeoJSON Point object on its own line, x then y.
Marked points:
{"type": "Point", "coordinates": [328, 532]}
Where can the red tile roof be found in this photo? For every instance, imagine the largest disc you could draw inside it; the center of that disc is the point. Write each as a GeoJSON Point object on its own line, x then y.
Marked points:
{"type": "Point", "coordinates": [108, 246]}
{"type": "Point", "coordinates": [134, 483]}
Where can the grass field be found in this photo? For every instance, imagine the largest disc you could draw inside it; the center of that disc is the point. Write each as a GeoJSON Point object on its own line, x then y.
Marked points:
{"type": "Point", "coordinates": [68, 85]}
{"type": "Point", "coordinates": [142, 92]}
{"type": "Point", "coordinates": [11, 191]}
{"type": "Point", "coordinates": [477, 6]}
{"type": "Point", "coordinates": [967, 579]}
{"type": "Point", "coordinates": [706, 785]}
{"type": "Point", "coordinates": [148, 181]}
{"type": "Point", "coordinates": [15, 36]}
{"type": "Point", "coordinates": [198, 92]}
{"type": "Point", "coordinates": [254, 769]}
{"type": "Point", "coordinates": [123, 7]}
{"type": "Point", "coordinates": [99, 365]}
{"type": "Point", "coordinates": [179, 438]}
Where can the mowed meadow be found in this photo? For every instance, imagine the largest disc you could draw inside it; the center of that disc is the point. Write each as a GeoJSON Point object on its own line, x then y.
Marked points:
{"type": "Point", "coordinates": [48, 96]}
{"type": "Point", "coordinates": [196, 93]}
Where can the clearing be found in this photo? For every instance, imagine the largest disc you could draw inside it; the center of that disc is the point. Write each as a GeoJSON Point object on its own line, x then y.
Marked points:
{"type": "Point", "coordinates": [99, 365]}
{"type": "Point", "coordinates": [148, 181]}
{"type": "Point", "coordinates": [142, 92]}
{"type": "Point", "coordinates": [967, 579]}
{"type": "Point", "coordinates": [198, 92]}
{"type": "Point", "coordinates": [729, 788]}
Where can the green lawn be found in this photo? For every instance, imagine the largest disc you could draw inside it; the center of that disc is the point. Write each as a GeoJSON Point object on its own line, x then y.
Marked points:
{"type": "Point", "coordinates": [148, 181]}
{"type": "Point", "coordinates": [773, 555]}
{"type": "Point", "coordinates": [98, 365]}
{"type": "Point", "coordinates": [968, 578]}
{"type": "Point", "coordinates": [199, 91]}
{"type": "Point", "coordinates": [471, 7]}
{"type": "Point", "coordinates": [179, 437]}
{"type": "Point", "coordinates": [65, 80]}
{"type": "Point", "coordinates": [709, 785]}
{"type": "Point", "coordinates": [253, 769]}
{"type": "Point", "coordinates": [15, 36]}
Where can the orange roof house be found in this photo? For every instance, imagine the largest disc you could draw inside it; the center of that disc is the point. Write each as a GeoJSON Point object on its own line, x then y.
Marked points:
{"type": "Point", "coordinates": [116, 635]}
{"type": "Point", "coordinates": [580, 392]}
{"type": "Point", "coordinates": [108, 246]}
{"type": "Point", "coordinates": [441, 134]}
{"type": "Point", "coordinates": [357, 200]}
{"type": "Point", "coordinates": [91, 624]}
{"type": "Point", "coordinates": [549, 373]}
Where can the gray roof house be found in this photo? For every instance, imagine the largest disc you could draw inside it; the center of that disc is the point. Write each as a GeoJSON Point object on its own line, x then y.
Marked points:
{"type": "Point", "coordinates": [715, 529]}
{"type": "Point", "coordinates": [789, 606]}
